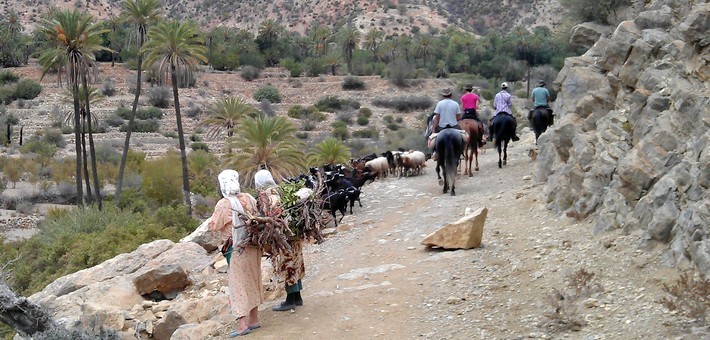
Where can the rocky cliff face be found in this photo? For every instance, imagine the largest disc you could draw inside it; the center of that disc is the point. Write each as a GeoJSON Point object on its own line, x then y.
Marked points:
{"type": "Point", "coordinates": [630, 146]}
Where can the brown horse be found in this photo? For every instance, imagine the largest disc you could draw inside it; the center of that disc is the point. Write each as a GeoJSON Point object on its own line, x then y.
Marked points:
{"type": "Point", "coordinates": [471, 148]}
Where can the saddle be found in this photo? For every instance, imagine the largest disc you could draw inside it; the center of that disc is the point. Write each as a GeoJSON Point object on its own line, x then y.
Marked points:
{"type": "Point", "coordinates": [431, 143]}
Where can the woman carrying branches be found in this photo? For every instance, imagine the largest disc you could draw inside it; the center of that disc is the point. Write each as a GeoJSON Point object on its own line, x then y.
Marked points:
{"type": "Point", "coordinates": [244, 272]}
{"type": "Point", "coordinates": [288, 265]}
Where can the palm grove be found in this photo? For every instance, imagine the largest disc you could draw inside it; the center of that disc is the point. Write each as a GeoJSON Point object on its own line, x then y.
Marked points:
{"type": "Point", "coordinates": [69, 44]}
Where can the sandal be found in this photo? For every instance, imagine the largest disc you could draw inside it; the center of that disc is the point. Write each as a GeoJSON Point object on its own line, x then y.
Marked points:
{"type": "Point", "coordinates": [236, 333]}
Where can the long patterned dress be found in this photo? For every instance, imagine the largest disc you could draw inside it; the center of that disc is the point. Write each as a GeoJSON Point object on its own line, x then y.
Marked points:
{"type": "Point", "coordinates": [289, 267]}
{"type": "Point", "coordinates": [244, 273]}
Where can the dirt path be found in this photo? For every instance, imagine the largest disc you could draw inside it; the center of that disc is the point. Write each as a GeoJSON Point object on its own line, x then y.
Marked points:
{"type": "Point", "coordinates": [376, 280]}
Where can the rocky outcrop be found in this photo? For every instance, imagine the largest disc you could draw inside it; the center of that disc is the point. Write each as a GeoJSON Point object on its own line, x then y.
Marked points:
{"type": "Point", "coordinates": [630, 146]}
{"type": "Point", "coordinates": [586, 34]}
{"type": "Point", "coordinates": [466, 233]}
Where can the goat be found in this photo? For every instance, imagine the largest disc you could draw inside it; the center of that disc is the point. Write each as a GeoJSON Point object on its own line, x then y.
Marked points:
{"type": "Point", "coordinates": [336, 201]}
{"type": "Point", "coordinates": [411, 161]}
{"type": "Point", "coordinates": [379, 166]}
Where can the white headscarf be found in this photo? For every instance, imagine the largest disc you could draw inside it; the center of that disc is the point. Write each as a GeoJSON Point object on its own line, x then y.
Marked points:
{"type": "Point", "coordinates": [263, 180]}
{"type": "Point", "coordinates": [229, 186]}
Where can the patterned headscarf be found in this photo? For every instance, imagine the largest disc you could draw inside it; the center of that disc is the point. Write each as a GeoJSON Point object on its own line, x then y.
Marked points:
{"type": "Point", "coordinates": [263, 180]}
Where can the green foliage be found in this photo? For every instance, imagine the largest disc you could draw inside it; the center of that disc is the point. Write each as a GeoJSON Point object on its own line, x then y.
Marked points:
{"type": "Point", "coordinates": [54, 137]}
{"type": "Point", "coordinates": [399, 71]}
{"type": "Point", "coordinates": [268, 92]}
{"type": "Point", "coordinates": [7, 77]}
{"type": "Point", "coordinates": [7, 94]}
{"type": "Point", "coordinates": [362, 120]}
{"type": "Point", "coordinates": [305, 113]}
{"type": "Point", "coordinates": [314, 67]}
{"type": "Point", "coordinates": [39, 147]}
{"type": "Point", "coordinates": [353, 83]}
{"type": "Point", "coordinates": [294, 68]}
{"type": "Point", "coordinates": [371, 132]}
{"type": "Point", "coordinates": [162, 180]}
{"type": "Point", "coordinates": [149, 125]}
{"type": "Point", "coordinates": [408, 139]}
{"type": "Point", "coordinates": [365, 112]}
{"type": "Point", "coordinates": [199, 146]}
{"type": "Point", "coordinates": [203, 168]}
{"type": "Point", "coordinates": [333, 104]}
{"type": "Point", "coordinates": [141, 113]}
{"type": "Point", "coordinates": [249, 73]}
{"type": "Point", "coordinates": [27, 89]}
{"type": "Point", "coordinates": [329, 151]}
{"type": "Point", "coordinates": [76, 239]}
{"type": "Point", "coordinates": [340, 130]}
{"type": "Point", "coordinates": [405, 103]}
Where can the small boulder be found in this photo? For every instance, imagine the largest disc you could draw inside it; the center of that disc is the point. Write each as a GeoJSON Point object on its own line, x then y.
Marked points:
{"type": "Point", "coordinates": [465, 233]}
{"type": "Point", "coordinates": [167, 279]}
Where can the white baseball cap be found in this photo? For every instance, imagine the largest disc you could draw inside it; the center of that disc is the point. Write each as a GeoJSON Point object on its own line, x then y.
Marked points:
{"type": "Point", "coordinates": [504, 85]}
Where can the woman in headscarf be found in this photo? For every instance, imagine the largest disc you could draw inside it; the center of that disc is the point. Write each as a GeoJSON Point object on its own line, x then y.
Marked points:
{"type": "Point", "coordinates": [244, 273]}
{"type": "Point", "coordinates": [288, 266]}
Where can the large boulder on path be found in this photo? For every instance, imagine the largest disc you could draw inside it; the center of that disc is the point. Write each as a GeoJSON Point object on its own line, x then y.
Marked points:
{"type": "Point", "coordinates": [465, 233]}
{"type": "Point", "coordinates": [204, 237]}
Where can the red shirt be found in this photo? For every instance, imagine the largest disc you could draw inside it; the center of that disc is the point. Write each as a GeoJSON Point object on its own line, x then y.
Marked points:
{"type": "Point", "coordinates": [469, 101]}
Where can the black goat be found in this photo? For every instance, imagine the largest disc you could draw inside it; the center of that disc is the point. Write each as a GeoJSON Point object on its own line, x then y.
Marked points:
{"type": "Point", "coordinates": [336, 201]}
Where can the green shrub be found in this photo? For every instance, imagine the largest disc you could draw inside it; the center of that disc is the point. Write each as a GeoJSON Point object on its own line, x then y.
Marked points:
{"type": "Point", "coordinates": [133, 200]}
{"type": "Point", "coordinates": [333, 103]}
{"type": "Point", "coordinates": [162, 180]}
{"type": "Point", "coordinates": [199, 146]}
{"type": "Point", "coordinates": [362, 120]}
{"type": "Point", "coordinates": [105, 153]}
{"type": "Point", "coordinates": [150, 125]}
{"type": "Point", "coordinates": [340, 130]}
{"type": "Point", "coordinates": [54, 137]}
{"type": "Point", "coordinates": [7, 94]}
{"type": "Point", "coordinates": [294, 68]}
{"type": "Point", "coordinates": [159, 96]}
{"type": "Point", "coordinates": [367, 133]}
{"type": "Point", "coordinates": [108, 87]}
{"type": "Point", "coordinates": [399, 71]}
{"type": "Point", "coordinates": [7, 77]}
{"type": "Point", "coordinates": [405, 103]}
{"type": "Point", "coordinates": [314, 67]}
{"type": "Point", "coordinates": [174, 217]}
{"type": "Point", "coordinates": [302, 135]}
{"type": "Point", "coordinates": [388, 119]}
{"type": "Point", "coordinates": [114, 120]}
{"type": "Point", "coordinates": [365, 112]}
{"type": "Point", "coordinates": [268, 92]}
{"type": "Point", "coordinates": [353, 83]}
{"type": "Point", "coordinates": [36, 146]}
{"type": "Point", "coordinates": [249, 72]}
{"type": "Point", "coordinates": [141, 113]}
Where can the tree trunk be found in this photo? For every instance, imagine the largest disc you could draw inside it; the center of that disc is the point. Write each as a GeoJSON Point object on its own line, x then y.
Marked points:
{"type": "Point", "coordinates": [87, 179]}
{"type": "Point", "coordinates": [25, 317]}
{"type": "Point", "coordinates": [129, 129]}
{"type": "Point", "coordinates": [77, 145]}
{"type": "Point", "coordinates": [92, 150]}
{"type": "Point", "coordinates": [527, 94]}
{"type": "Point", "coordinates": [181, 138]}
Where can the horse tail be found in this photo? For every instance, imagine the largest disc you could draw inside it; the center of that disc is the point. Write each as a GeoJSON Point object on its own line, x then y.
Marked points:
{"type": "Point", "coordinates": [450, 159]}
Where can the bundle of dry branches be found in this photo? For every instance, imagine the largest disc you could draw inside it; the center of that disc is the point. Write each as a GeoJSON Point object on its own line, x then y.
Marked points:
{"type": "Point", "coordinates": [305, 219]}
{"type": "Point", "coordinates": [268, 233]}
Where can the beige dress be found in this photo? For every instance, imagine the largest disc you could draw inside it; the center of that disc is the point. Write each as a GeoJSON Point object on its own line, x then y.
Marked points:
{"type": "Point", "coordinates": [244, 273]}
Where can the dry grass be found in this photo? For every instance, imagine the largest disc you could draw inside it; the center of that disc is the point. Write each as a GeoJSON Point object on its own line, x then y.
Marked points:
{"type": "Point", "coordinates": [690, 296]}
{"type": "Point", "coordinates": [565, 302]}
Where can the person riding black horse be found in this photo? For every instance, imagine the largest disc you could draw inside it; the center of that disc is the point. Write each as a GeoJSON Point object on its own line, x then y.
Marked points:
{"type": "Point", "coordinates": [541, 100]}
{"type": "Point", "coordinates": [503, 105]}
{"type": "Point", "coordinates": [469, 102]}
{"type": "Point", "coordinates": [447, 114]}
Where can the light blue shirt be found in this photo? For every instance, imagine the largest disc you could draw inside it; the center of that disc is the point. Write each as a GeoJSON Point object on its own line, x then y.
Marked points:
{"type": "Point", "coordinates": [447, 109]}
{"type": "Point", "coordinates": [540, 96]}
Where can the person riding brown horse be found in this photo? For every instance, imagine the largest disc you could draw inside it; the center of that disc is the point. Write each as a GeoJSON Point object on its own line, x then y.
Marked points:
{"type": "Point", "coordinates": [469, 103]}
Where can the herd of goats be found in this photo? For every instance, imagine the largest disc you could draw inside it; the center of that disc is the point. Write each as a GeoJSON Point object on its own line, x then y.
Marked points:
{"type": "Point", "coordinates": [337, 185]}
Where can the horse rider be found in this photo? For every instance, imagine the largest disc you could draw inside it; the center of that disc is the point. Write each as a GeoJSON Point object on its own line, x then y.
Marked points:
{"type": "Point", "coordinates": [469, 102]}
{"type": "Point", "coordinates": [541, 99]}
{"type": "Point", "coordinates": [503, 105]}
{"type": "Point", "coordinates": [447, 114]}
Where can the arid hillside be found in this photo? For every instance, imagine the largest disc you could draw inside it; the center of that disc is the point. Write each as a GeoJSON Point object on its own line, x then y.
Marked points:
{"type": "Point", "coordinates": [393, 16]}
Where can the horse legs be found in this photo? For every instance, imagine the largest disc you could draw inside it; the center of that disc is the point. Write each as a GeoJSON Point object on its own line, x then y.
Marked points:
{"type": "Point", "coordinates": [446, 180]}
{"type": "Point", "coordinates": [500, 163]}
{"type": "Point", "coordinates": [505, 153]}
{"type": "Point", "coordinates": [475, 153]}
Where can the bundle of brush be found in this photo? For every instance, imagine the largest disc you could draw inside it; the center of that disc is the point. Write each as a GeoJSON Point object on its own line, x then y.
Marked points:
{"type": "Point", "coordinates": [301, 210]}
{"type": "Point", "coordinates": [268, 233]}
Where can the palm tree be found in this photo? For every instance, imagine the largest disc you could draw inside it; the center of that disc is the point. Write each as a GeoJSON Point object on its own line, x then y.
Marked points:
{"type": "Point", "coordinates": [224, 115]}
{"type": "Point", "coordinates": [141, 13]}
{"type": "Point", "coordinates": [372, 41]}
{"type": "Point", "coordinates": [424, 48]}
{"type": "Point", "coordinates": [349, 40]}
{"type": "Point", "coordinates": [319, 35]}
{"type": "Point", "coordinates": [177, 48]}
{"type": "Point", "coordinates": [266, 141]}
{"type": "Point", "coordinates": [329, 151]}
{"type": "Point", "coordinates": [87, 97]}
{"type": "Point", "coordinates": [77, 39]}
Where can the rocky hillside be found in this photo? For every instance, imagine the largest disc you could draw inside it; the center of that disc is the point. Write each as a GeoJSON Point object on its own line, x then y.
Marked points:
{"type": "Point", "coordinates": [394, 17]}
{"type": "Point", "coordinates": [631, 146]}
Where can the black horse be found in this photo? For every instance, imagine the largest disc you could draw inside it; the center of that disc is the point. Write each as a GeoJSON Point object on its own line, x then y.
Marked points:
{"type": "Point", "coordinates": [503, 130]}
{"type": "Point", "coordinates": [540, 120]}
{"type": "Point", "coordinates": [449, 147]}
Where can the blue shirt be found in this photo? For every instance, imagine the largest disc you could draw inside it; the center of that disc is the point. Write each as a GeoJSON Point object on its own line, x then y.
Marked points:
{"type": "Point", "coordinates": [540, 96]}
